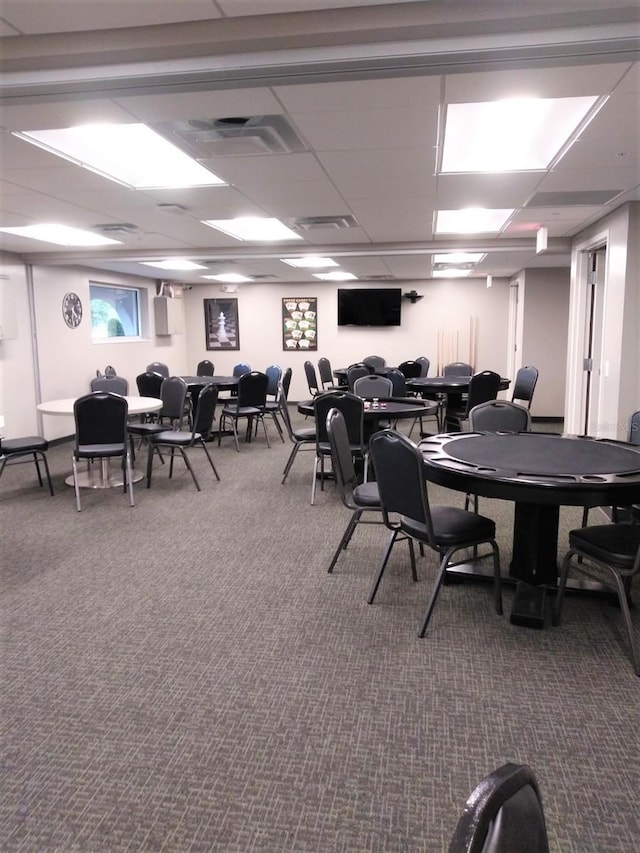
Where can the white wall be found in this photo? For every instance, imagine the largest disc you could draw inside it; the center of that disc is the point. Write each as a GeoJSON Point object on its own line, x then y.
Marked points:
{"type": "Point", "coordinates": [448, 306]}
{"type": "Point", "coordinates": [544, 305]}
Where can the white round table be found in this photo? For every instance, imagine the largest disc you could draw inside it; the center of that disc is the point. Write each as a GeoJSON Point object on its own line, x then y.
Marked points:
{"type": "Point", "coordinates": [100, 476]}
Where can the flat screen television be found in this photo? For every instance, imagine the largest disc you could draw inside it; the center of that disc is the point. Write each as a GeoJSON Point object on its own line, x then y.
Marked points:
{"type": "Point", "coordinates": [369, 306]}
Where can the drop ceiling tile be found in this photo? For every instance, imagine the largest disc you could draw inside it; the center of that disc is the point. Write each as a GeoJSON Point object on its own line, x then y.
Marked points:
{"type": "Point", "coordinates": [504, 190]}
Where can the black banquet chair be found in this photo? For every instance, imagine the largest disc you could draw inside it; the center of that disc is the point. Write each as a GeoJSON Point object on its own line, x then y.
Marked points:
{"type": "Point", "coordinates": [205, 368]}
{"type": "Point", "coordinates": [483, 386]}
{"type": "Point", "coordinates": [182, 440]}
{"type": "Point", "coordinates": [503, 814]}
{"type": "Point", "coordinates": [525, 385]}
{"type": "Point", "coordinates": [612, 550]}
{"type": "Point", "coordinates": [101, 433]}
{"type": "Point", "coordinates": [399, 470]}
{"type": "Point", "coordinates": [250, 404]}
{"type": "Point", "coordinates": [13, 449]}
{"type": "Point", "coordinates": [359, 498]}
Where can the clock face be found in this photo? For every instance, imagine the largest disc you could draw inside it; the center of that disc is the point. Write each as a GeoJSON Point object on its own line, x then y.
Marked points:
{"type": "Point", "coordinates": [72, 310]}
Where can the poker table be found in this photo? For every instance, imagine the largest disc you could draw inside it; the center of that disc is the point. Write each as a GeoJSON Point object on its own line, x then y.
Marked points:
{"type": "Point", "coordinates": [539, 472]}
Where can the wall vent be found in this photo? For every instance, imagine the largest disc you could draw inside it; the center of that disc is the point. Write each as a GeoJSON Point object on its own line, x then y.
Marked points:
{"type": "Point", "coordinates": [233, 136]}
{"type": "Point", "coordinates": [307, 223]}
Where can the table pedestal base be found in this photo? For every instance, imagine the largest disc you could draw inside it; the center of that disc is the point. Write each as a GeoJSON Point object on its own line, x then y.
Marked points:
{"type": "Point", "coordinates": [100, 476]}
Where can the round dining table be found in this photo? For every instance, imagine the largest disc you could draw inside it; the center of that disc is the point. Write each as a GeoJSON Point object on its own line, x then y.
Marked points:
{"type": "Point", "coordinates": [101, 476]}
{"type": "Point", "coordinates": [539, 472]}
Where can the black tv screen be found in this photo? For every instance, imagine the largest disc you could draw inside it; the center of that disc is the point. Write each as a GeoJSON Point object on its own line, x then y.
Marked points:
{"type": "Point", "coordinates": [369, 306]}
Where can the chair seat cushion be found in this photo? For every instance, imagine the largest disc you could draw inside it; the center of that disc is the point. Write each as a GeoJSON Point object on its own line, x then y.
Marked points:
{"type": "Point", "coordinates": [174, 436]}
{"type": "Point", "coordinates": [91, 451]}
{"type": "Point", "coordinates": [614, 544]}
{"type": "Point", "coordinates": [452, 525]}
{"type": "Point", "coordinates": [145, 429]}
{"type": "Point", "coordinates": [367, 495]}
{"type": "Point", "coordinates": [23, 445]}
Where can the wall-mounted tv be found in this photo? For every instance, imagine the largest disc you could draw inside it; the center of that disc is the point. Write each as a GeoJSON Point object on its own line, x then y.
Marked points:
{"type": "Point", "coordinates": [369, 306]}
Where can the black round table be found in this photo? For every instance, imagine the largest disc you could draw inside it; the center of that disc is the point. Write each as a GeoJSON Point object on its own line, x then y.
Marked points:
{"type": "Point", "coordinates": [392, 409]}
{"type": "Point", "coordinates": [539, 472]}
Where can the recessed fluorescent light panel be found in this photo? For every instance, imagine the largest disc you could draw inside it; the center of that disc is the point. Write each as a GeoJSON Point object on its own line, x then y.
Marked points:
{"type": "Point", "coordinates": [335, 276]}
{"type": "Point", "coordinates": [61, 235]}
{"type": "Point", "coordinates": [174, 264]}
{"type": "Point", "coordinates": [253, 228]}
{"type": "Point", "coordinates": [131, 154]}
{"type": "Point", "coordinates": [458, 258]}
{"type": "Point", "coordinates": [229, 277]}
{"type": "Point", "coordinates": [471, 220]}
{"type": "Point", "coordinates": [513, 135]}
{"type": "Point", "coordinates": [451, 272]}
{"type": "Point", "coordinates": [310, 262]}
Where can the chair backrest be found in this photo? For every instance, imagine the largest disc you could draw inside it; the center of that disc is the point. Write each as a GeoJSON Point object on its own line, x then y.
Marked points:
{"type": "Point", "coordinates": [312, 379]}
{"type": "Point", "coordinates": [341, 458]}
{"type": "Point", "coordinates": [252, 389]}
{"type": "Point", "coordinates": [355, 371]}
{"type": "Point", "coordinates": [399, 470]}
{"type": "Point", "coordinates": [373, 386]}
{"type": "Point", "coordinates": [274, 375]}
{"type": "Point", "coordinates": [410, 369]}
{"type": "Point", "coordinates": [425, 364]}
{"type": "Point", "coordinates": [525, 384]}
{"type": "Point", "coordinates": [375, 361]}
{"type": "Point", "coordinates": [457, 368]}
{"type": "Point", "coordinates": [205, 411]}
{"type": "Point", "coordinates": [112, 384]}
{"type": "Point", "coordinates": [633, 435]}
{"type": "Point", "coordinates": [100, 419]}
{"type": "Point", "coordinates": [352, 408]}
{"type": "Point", "coordinates": [325, 372]}
{"type": "Point", "coordinates": [205, 368]}
{"type": "Point", "coordinates": [110, 370]}
{"type": "Point", "coordinates": [241, 368]}
{"type": "Point", "coordinates": [286, 381]}
{"type": "Point", "coordinates": [398, 382]}
{"type": "Point", "coordinates": [482, 387]}
{"type": "Point", "coordinates": [158, 367]}
{"type": "Point", "coordinates": [149, 384]}
{"type": "Point", "coordinates": [173, 393]}
{"type": "Point", "coordinates": [503, 814]}
{"type": "Point", "coordinates": [499, 416]}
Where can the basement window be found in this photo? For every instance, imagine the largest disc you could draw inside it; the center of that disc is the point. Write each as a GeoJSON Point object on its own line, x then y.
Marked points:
{"type": "Point", "coordinates": [115, 312]}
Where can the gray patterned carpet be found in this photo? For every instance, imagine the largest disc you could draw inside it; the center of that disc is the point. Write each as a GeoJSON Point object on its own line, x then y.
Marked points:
{"type": "Point", "coordinates": [186, 676]}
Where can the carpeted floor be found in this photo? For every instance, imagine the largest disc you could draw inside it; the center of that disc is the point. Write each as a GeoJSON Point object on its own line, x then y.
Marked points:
{"type": "Point", "coordinates": [185, 676]}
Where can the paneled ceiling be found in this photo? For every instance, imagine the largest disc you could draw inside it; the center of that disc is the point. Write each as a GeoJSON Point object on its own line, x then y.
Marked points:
{"type": "Point", "coordinates": [364, 85]}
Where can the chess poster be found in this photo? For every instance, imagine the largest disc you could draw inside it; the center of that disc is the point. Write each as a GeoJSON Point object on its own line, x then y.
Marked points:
{"type": "Point", "coordinates": [221, 324]}
{"type": "Point", "coordinates": [299, 324]}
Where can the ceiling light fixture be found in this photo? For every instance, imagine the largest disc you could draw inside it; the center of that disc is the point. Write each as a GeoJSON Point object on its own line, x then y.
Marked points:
{"type": "Point", "coordinates": [310, 262]}
{"type": "Point", "coordinates": [338, 275]}
{"type": "Point", "coordinates": [228, 277]}
{"type": "Point", "coordinates": [130, 154]}
{"type": "Point", "coordinates": [511, 135]}
{"type": "Point", "coordinates": [253, 228]}
{"type": "Point", "coordinates": [61, 235]}
{"type": "Point", "coordinates": [472, 220]}
{"type": "Point", "coordinates": [174, 264]}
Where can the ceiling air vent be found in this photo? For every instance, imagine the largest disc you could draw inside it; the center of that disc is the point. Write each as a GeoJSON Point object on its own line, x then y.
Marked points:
{"type": "Point", "coordinates": [307, 223]}
{"type": "Point", "coordinates": [233, 136]}
{"type": "Point", "coordinates": [116, 228]}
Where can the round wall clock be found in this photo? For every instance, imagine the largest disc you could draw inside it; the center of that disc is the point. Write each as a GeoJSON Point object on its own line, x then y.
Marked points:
{"type": "Point", "coordinates": [72, 309]}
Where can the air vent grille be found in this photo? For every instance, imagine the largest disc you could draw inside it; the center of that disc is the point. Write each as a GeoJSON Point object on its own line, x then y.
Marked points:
{"type": "Point", "coordinates": [307, 223]}
{"type": "Point", "coordinates": [233, 136]}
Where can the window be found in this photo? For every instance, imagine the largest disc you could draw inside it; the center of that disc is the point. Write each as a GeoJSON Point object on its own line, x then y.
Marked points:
{"type": "Point", "coordinates": [115, 312]}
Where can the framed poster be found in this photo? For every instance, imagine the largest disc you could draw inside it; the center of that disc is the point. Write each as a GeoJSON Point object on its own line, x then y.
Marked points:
{"type": "Point", "coordinates": [221, 324]}
{"type": "Point", "coordinates": [299, 323]}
